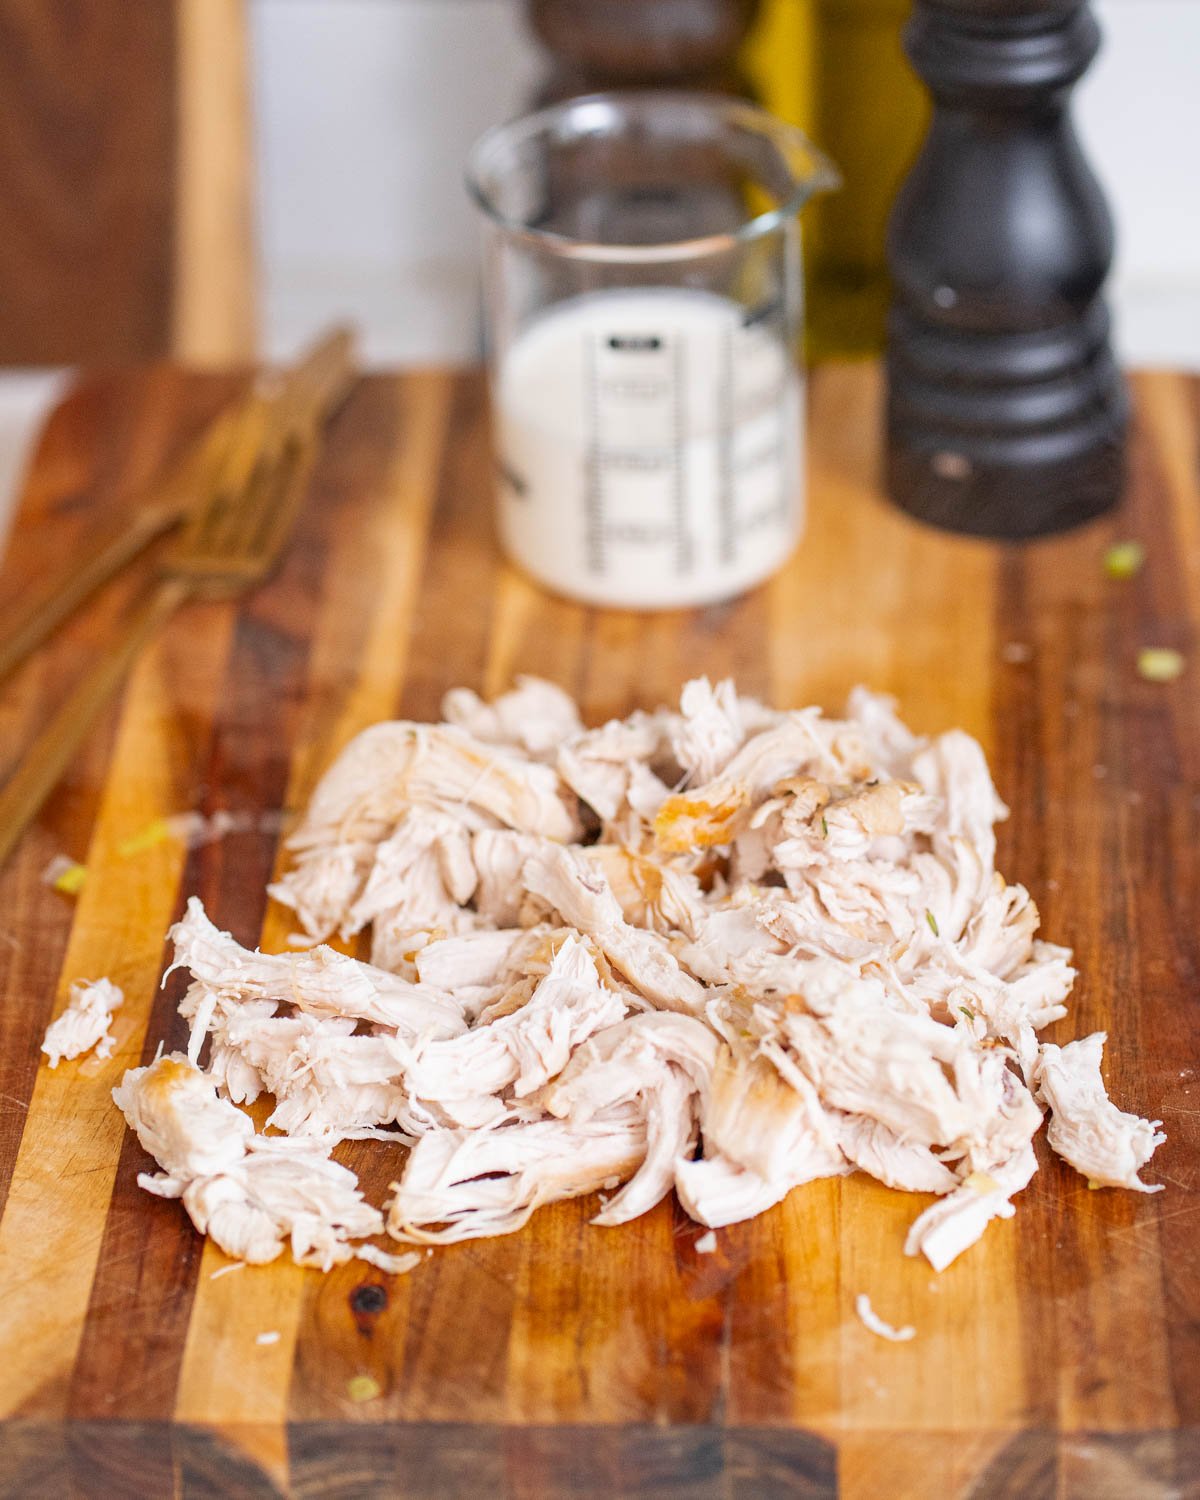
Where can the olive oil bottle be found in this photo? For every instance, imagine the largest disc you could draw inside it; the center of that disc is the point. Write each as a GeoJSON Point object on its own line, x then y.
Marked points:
{"type": "Point", "coordinates": [836, 68]}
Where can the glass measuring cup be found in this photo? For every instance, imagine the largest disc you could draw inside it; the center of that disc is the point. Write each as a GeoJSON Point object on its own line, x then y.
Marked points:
{"type": "Point", "coordinates": [643, 301]}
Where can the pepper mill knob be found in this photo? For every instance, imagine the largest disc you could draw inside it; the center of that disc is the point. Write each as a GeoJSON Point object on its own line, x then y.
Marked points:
{"type": "Point", "coordinates": [1006, 412]}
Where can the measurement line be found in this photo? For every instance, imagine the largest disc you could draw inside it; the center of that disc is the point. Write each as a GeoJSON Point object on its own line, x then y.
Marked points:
{"type": "Point", "coordinates": [790, 413]}
{"type": "Point", "coordinates": [726, 539]}
{"type": "Point", "coordinates": [593, 498]}
{"type": "Point", "coordinates": [684, 553]}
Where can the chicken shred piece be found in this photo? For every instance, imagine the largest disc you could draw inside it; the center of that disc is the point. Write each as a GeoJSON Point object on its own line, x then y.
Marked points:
{"type": "Point", "coordinates": [1086, 1128]}
{"type": "Point", "coordinates": [83, 1024]}
{"type": "Point", "coordinates": [871, 1319]}
{"type": "Point", "coordinates": [722, 951]}
{"type": "Point", "coordinates": [476, 1183]}
{"type": "Point", "coordinates": [535, 717]}
{"type": "Point", "coordinates": [378, 780]}
{"type": "Point", "coordinates": [321, 981]}
{"type": "Point", "coordinates": [888, 1158]}
{"type": "Point", "coordinates": [955, 1222]}
{"type": "Point", "coordinates": [583, 897]}
{"type": "Point", "coordinates": [518, 1052]}
{"type": "Point", "coordinates": [252, 1194]}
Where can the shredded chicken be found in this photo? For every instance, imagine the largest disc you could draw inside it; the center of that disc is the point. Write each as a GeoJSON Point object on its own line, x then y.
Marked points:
{"type": "Point", "coordinates": [84, 1022]}
{"type": "Point", "coordinates": [720, 952]}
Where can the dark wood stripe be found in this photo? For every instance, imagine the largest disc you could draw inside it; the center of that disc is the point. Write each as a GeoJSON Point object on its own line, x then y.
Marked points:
{"type": "Point", "coordinates": [439, 1324]}
{"type": "Point", "coordinates": [448, 1461]}
{"type": "Point", "coordinates": [1163, 853]}
{"type": "Point", "coordinates": [1089, 756]}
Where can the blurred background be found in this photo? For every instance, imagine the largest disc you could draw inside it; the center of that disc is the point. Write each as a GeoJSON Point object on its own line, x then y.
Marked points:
{"type": "Point", "coordinates": [214, 179]}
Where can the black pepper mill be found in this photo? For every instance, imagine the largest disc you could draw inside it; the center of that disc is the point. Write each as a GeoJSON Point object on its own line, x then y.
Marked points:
{"type": "Point", "coordinates": [1006, 412]}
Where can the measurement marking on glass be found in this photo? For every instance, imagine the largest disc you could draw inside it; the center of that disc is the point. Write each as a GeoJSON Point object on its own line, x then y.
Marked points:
{"type": "Point", "coordinates": [637, 461]}
{"type": "Point", "coordinates": [683, 539]}
{"type": "Point", "coordinates": [593, 500]}
{"type": "Point", "coordinates": [726, 543]}
{"type": "Point", "coordinates": [631, 531]}
{"type": "Point", "coordinates": [645, 444]}
{"type": "Point", "coordinates": [635, 390]}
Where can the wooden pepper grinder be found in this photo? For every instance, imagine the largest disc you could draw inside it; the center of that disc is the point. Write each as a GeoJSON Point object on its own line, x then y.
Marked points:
{"type": "Point", "coordinates": [606, 44]}
{"type": "Point", "coordinates": [1006, 412]}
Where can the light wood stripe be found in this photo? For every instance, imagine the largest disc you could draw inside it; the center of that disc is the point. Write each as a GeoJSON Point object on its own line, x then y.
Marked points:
{"type": "Point", "coordinates": [838, 618]}
{"type": "Point", "coordinates": [59, 1196]}
{"type": "Point", "coordinates": [871, 1465]}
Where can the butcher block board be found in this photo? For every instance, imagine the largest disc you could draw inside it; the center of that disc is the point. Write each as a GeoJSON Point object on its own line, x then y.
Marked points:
{"type": "Point", "coordinates": [1058, 1358]}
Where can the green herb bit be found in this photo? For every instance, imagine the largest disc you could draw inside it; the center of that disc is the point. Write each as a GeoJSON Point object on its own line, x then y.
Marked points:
{"type": "Point", "coordinates": [967, 1011]}
{"type": "Point", "coordinates": [824, 828]}
{"type": "Point", "coordinates": [932, 920]}
{"type": "Point", "coordinates": [1160, 664]}
{"type": "Point", "coordinates": [154, 833]}
{"type": "Point", "coordinates": [1124, 560]}
{"type": "Point", "coordinates": [67, 876]}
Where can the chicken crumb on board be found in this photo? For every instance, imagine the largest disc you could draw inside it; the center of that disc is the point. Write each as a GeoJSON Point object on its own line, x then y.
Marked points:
{"type": "Point", "coordinates": [83, 1025]}
{"type": "Point", "coordinates": [872, 1320]}
{"type": "Point", "coordinates": [723, 951]}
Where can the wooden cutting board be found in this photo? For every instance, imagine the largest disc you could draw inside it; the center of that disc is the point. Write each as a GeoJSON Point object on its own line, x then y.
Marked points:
{"type": "Point", "coordinates": [1058, 1358]}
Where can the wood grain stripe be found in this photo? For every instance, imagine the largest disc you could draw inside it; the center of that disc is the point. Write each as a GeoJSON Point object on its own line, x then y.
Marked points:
{"type": "Point", "coordinates": [62, 1181]}
{"type": "Point", "coordinates": [438, 1306]}
{"type": "Point", "coordinates": [1085, 774]}
{"type": "Point", "coordinates": [246, 759]}
{"type": "Point", "coordinates": [838, 618]}
{"type": "Point", "coordinates": [1167, 407]}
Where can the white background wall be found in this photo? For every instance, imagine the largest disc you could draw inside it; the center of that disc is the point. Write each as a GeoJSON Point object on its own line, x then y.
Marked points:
{"type": "Point", "coordinates": [1138, 111]}
{"type": "Point", "coordinates": [366, 109]}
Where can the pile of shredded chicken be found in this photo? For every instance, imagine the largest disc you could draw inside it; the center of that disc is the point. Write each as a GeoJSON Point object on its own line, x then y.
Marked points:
{"type": "Point", "coordinates": [723, 951]}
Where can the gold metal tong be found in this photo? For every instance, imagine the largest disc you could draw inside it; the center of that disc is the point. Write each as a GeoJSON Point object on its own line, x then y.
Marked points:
{"type": "Point", "coordinates": [231, 541]}
{"type": "Point", "coordinates": [186, 484]}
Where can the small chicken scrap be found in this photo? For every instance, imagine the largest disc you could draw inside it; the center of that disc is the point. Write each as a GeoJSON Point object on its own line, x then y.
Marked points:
{"type": "Point", "coordinates": [723, 951]}
{"type": "Point", "coordinates": [84, 1023]}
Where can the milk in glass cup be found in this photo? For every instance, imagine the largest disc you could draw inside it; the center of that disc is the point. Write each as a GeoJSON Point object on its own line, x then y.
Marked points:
{"type": "Point", "coordinates": [643, 299]}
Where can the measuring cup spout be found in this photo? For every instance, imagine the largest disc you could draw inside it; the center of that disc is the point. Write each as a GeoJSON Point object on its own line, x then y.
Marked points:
{"type": "Point", "coordinates": [530, 177]}
{"type": "Point", "coordinates": [812, 171]}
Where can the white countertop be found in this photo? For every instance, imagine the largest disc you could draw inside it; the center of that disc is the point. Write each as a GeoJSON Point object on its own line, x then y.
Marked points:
{"type": "Point", "coordinates": [26, 399]}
